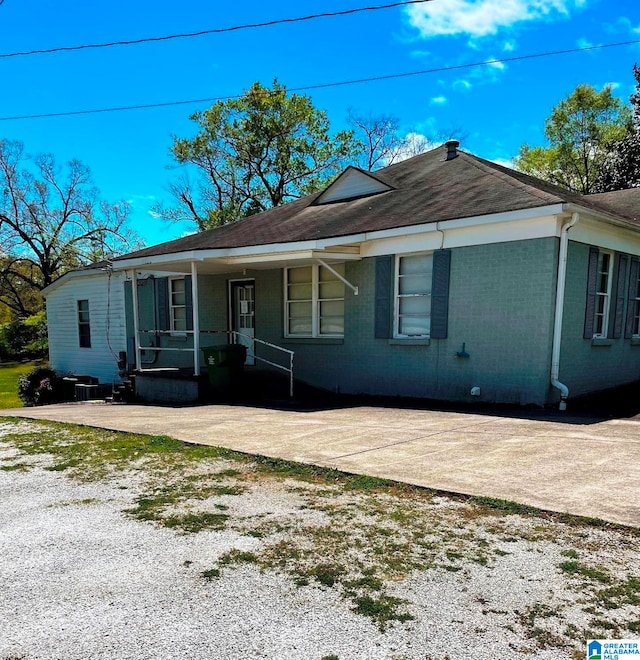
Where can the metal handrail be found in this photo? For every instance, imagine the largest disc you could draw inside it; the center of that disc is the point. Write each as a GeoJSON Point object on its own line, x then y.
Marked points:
{"type": "Point", "coordinates": [233, 333]}
{"type": "Point", "coordinates": [288, 369]}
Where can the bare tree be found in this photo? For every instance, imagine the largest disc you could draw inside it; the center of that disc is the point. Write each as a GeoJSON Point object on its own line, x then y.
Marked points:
{"type": "Point", "coordinates": [379, 137]}
{"type": "Point", "coordinates": [382, 143]}
{"type": "Point", "coordinates": [51, 221]}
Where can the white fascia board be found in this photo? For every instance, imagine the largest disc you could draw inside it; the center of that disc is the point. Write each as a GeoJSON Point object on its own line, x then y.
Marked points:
{"type": "Point", "coordinates": [292, 256]}
{"type": "Point", "coordinates": [473, 234]}
{"type": "Point", "coordinates": [71, 275]}
{"type": "Point", "coordinates": [235, 255]}
{"type": "Point", "coordinates": [474, 221]}
{"type": "Point", "coordinates": [324, 243]}
{"type": "Point", "coordinates": [610, 219]}
{"type": "Point", "coordinates": [610, 236]}
{"type": "Point", "coordinates": [157, 260]}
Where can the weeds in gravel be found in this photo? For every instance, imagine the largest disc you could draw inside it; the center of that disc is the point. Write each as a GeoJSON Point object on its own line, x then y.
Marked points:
{"type": "Point", "coordinates": [575, 567]}
{"type": "Point", "coordinates": [90, 454]}
{"type": "Point", "coordinates": [356, 535]}
{"type": "Point", "coordinates": [382, 609]}
{"type": "Point", "coordinates": [153, 506]}
{"type": "Point", "coordinates": [23, 467]}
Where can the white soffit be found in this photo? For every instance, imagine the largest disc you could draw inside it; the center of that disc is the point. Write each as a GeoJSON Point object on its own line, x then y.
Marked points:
{"type": "Point", "coordinates": [350, 184]}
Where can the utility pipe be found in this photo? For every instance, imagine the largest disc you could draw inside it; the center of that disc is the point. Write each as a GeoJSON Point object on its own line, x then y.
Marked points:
{"type": "Point", "coordinates": [557, 326]}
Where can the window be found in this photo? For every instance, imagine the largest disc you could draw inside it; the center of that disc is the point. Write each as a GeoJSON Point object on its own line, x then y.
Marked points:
{"type": "Point", "coordinates": [413, 295]}
{"type": "Point", "coordinates": [84, 324]}
{"type": "Point", "coordinates": [177, 305]}
{"type": "Point", "coordinates": [603, 295]}
{"type": "Point", "coordinates": [314, 302]}
{"type": "Point", "coordinates": [635, 301]}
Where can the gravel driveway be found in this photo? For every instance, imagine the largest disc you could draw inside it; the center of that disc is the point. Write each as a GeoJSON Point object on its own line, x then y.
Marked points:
{"type": "Point", "coordinates": [89, 569]}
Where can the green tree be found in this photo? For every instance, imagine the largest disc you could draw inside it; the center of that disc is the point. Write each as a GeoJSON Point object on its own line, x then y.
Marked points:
{"type": "Point", "coordinates": [623, 167]}
{"type": "Point", "coordinates": [253, 153]}
{"type": "Point", "coordinates": [51, 221]}
{"type": "Point", "coordinates": [581, 132]}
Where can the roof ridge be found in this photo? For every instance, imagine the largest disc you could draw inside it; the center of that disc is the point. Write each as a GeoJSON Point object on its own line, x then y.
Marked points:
{"type": "Point", "coordinates": [494, 169]}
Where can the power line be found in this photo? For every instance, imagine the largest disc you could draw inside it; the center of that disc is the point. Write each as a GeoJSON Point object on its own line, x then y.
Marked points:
{"type": "Point", "coordinates": [201, 33]}
{"type": "Point", "coordinates": [342, 83]}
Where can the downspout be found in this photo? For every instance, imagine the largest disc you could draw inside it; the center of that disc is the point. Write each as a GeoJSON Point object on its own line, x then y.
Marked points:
{"type": "Point", "coordinates": [557, 326]}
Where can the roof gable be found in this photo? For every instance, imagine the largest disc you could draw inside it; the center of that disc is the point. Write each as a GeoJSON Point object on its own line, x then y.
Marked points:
{"type": "Point", "coordinates": [427, 188]}
{"type": "Point", "coordinates": [352, 183]}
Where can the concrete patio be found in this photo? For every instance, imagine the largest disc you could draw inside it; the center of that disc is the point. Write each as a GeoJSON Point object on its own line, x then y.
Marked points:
{"type": "Point", "coordinates": [559, 463]}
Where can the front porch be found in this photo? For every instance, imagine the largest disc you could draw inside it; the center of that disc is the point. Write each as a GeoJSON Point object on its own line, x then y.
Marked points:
{"type": "Point", "coordinates": [175, 385]}
{"type": "Point", "coordinates": [191, 303]}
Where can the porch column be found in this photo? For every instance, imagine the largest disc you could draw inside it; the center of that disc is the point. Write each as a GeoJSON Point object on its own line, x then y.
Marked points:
{"type": "Point", "coordinates": [136, 325]}
{"type": "Point", "coordinates": [196, 319]}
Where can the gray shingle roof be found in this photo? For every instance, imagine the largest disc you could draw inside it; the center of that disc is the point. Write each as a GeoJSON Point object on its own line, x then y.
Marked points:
{"type": "Point", "coordinates": [426, 188]}
{"type": "Point", "coordinates": [621, 202]}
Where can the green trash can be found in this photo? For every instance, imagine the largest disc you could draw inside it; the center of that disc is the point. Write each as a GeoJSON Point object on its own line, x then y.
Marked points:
{"type": "Point", "coordinates": [225, 367]}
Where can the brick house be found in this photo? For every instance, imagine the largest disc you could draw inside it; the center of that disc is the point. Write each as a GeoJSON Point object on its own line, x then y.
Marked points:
{"type": "Point", "coordinates": [433, 277]}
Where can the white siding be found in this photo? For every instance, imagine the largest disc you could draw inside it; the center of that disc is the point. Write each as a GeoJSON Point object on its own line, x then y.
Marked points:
{"type": "Point", "coordinates": [350, 184]}
{"type": "Point", "coordinates": [65, 353]}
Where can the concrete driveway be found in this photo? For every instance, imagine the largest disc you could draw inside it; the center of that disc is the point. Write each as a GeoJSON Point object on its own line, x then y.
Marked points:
{"type": "Point", "coordinates": [565, 464]}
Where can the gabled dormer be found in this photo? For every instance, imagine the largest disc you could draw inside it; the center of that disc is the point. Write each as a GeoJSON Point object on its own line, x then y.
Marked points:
{"type": "Point", "coordinates": [352, 183]}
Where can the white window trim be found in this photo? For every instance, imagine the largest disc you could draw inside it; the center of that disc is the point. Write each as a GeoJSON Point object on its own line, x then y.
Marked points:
{"type": "Point", "coordinates": [636, 307]}
{"type": "Point", "coordinates": [607, 297]}
{"type": "Point", "coordinates": [172, 320]}
{"type": "Point", "coordinates": [83, 323]}
{"type": "Point", "coordinates": [396, 294]}
{"type": "Point", "coordinates": [315, 304]}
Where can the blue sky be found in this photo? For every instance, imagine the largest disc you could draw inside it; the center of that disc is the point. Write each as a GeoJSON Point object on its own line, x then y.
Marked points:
{"type": "Point", "coordinates": [497, 107]}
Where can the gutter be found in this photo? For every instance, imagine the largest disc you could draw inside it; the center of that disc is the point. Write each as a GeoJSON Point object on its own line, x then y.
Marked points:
{"type": "Point", "coordinates": [557, 326]}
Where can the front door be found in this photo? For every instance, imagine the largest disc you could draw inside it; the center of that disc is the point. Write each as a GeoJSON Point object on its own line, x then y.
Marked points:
{"type": "Point", "coordinates": [242, 295]}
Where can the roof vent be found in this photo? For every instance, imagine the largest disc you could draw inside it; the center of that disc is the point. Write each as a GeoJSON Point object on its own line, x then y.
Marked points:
{"type": "Point", "coordinates": [452, 148]}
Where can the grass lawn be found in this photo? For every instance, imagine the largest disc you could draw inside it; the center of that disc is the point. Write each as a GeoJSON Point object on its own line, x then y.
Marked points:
{"type": "Point", "coordinates": [9, 374]}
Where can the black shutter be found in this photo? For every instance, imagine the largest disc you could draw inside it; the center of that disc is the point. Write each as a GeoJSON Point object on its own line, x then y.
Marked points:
{"type": "Point", "coordinates": [188, 301]}
{"type": "Point", "coordinates": [622, 260]}
{"type": "Point", "coordinates": [632, 295]}
{"type": "Point", "coordinates": [162, 303]}
{"type": "Point", "coordinates": [440, 294]}
{"type": "Point", "coordinates": [384, 287]}
{"type": "Point", "coordinates": [592, 285]}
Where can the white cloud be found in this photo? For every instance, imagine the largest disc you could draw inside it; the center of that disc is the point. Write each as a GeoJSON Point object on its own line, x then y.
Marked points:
{"type": "Point", "coordinates": [488, 73]}
{"type": "Point", "coordinates": [613, 85]}
{"type": "Point", "coordinates": [414, 143]}
{"type": "Point", "coordinates": [495, 64]}
{"type": "Point", "coordinates": [480, 18]}
{"type": "Point", "coordinates": [505, 162]}
{"type": "Point", "coordinates": [509, 46]}
{"type": "Point", "coordinates": [420, 53]}
{"type": "Point", "coordinates": [625, 25]}
{"type": "Point", "coordinates": [136, 200]}
{"type": "Point", "coordinates": [438, 100]}
{"type": "Point", "coordinates": [462, 85]}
